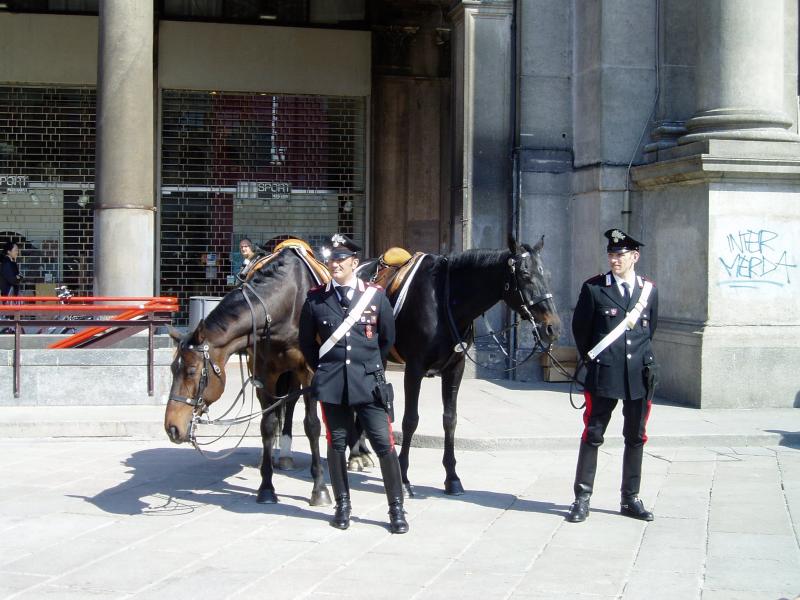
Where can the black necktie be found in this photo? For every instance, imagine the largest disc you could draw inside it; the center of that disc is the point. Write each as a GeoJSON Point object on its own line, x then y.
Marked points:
{"type": "Point", "coordinates": [626, 295]}
{"type": "Point", "coordinates": [343, 299]}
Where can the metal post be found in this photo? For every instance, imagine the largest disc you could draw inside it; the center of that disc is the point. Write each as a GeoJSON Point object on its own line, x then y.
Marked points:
{"type": "Point", "coordinates": [17, 354]}
{"type": "Point", "coordinates": [150, 351]}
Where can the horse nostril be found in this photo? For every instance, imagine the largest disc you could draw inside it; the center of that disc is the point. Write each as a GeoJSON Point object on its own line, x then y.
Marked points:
{"type": "Point", "coordinates": [550, 331]}
{"type": "Point", "coordinates": [174, 436]}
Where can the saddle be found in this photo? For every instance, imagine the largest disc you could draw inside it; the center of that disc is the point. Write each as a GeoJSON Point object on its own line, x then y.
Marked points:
{"type": "Point", "coordinates": [303, 249]}
{"type": "Point", "coordinates": [394, 266]}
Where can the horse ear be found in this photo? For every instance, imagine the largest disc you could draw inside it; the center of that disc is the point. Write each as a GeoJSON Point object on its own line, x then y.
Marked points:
{"type": "Point", "coordinates": [174, 333]}
{"type": "Point", "coordinates": [539, 245]}
{"type": "Point", "coordinates": [512, 244]}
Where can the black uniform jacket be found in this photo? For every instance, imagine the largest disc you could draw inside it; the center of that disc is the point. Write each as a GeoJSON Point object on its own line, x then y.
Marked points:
{"type": "Point", "coordinates": [358, 356]}
{"type": "Point", "coordinates": [9, 277]}
{"type": "Point", "coordinates": [600, 308]}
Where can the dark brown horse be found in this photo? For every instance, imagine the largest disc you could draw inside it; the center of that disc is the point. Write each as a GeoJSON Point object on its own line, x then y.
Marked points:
{"type": "Point", "coordinates": [443, 299]}
{"type": "Point", "coordinates": [265, 309]}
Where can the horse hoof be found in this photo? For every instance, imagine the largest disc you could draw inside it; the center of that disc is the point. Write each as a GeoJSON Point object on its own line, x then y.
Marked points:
{"type": "Point", "coordinates": [266, 497]}
{"type": "Point", "coordinates": [320, 498]}
{"type": "Point", "coordinates": [453, 488]}
{"type": "Point", "coordinates": [408, 490]}
{"type": "Point", "coordinates": [354, 465]}
{"type": "Point", "coordinates": [367, 462]}
{"type": "Point", "coordinates": [285, 463]}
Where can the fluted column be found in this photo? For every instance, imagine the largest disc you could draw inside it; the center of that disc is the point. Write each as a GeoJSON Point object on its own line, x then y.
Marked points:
{"type": "Point", "coordinates": [740, 74]}
{"type": "Point", "coordinates": [124, 220]}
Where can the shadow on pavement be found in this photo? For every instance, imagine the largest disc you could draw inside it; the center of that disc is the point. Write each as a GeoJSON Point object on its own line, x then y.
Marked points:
{"type": "Point", "coordinates": [790, 439]}
{"type": "Point", "coordinates": [174, 481]}
{"type": "Point", "coordinates": [177, 481]}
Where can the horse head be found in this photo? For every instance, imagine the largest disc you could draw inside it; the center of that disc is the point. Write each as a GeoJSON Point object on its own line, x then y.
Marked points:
{"type": "Point", "coordinates": [527, 290]}
{"type": "Point", "coordinates": [198, 380]}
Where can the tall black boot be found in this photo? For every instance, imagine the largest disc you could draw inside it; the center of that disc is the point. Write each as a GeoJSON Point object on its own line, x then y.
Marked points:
{"type": "Point", "coordinates": [337, 467]}
{"type": "Point", "coordinates": [630, 504]}
{"type": "Point", "coordinates": [393, 484]}
{"type": "Point", "coordinates": [584, 483]}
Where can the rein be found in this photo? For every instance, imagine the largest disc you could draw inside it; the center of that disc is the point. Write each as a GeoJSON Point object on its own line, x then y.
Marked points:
{"type": "Point", "coordinates": [525, 306]}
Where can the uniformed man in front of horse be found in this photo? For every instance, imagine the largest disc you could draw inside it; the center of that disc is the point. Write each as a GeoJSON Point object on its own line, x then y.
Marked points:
{"type": "Point", "coordinates": [346, 332]}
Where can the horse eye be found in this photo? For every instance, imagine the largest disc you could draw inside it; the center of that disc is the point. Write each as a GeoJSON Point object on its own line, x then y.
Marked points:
{"type": "Point", "coordinates": [191, 371]}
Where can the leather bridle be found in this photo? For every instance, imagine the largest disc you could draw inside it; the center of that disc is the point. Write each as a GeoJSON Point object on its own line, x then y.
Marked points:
{"type": "Point", "coordinates": [513, 286]}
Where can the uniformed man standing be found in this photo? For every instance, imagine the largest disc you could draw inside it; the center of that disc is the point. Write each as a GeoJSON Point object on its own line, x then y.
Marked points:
{"type": "Point", "coordinates": [613, 326]}
{"type": "Point", "coordinates": [346, 332]}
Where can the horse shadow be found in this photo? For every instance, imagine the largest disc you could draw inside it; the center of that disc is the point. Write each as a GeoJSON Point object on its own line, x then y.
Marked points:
{"type": "Point", "coordinates": [176, 481]}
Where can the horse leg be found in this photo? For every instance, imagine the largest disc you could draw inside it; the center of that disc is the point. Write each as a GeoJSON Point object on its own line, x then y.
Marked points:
{"type": "Point", "coordinates": [311, 424]}
{"type": "Point", "coordinates": [360, 458]}
{"type": "Point", "coordinates": [451, 381]}
{"type": "Point", "coordinates": [285, 460]}
{"type": "Point", "coordinates": [411, 385]}
{"type": "Point", "coordinates": [269, 425]}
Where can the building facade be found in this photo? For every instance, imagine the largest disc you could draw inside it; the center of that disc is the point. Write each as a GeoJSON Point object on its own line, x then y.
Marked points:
{"type": "Point", "coordinates": [139, 141]}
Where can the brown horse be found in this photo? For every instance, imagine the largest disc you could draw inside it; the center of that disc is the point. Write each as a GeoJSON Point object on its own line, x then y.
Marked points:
{"type": "Point", "coordinates": [264, 310]}
{"type": "Point", "coordinates": [434, 325]}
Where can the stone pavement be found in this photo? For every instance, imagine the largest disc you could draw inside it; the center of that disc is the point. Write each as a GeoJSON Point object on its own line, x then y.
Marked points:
{"type": "Point", "coordinates": [133, 516]}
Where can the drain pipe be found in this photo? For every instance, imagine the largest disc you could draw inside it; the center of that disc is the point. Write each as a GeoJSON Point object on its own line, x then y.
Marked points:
{"type": "Point", "coordinates": [516, 170]}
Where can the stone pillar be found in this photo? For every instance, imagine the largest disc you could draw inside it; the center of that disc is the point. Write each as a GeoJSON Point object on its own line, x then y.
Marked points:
{"type": "Point", "coordinates": [482, 132]}
{"type": "Point", "coordinates": [721, 213]}
{"type": "Point", "coordinates": [740, 74]}
{"type": "Point", "coordinates": [124, 217]}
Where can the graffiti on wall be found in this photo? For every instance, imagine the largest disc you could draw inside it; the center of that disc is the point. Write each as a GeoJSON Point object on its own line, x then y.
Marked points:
{"type": "Point", "coordinates": [756, 258]}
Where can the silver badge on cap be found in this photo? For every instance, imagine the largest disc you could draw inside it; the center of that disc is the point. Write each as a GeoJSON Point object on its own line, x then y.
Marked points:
{"type": "Point", "coordinates": [617, 236]}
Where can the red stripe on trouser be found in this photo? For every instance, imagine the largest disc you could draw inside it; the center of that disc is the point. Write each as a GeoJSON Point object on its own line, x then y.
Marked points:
{"type": "Point", "coordinates": [325, 420]}
{"type": "Point", "coordinates": [587, 411]}
{"type": "Point", "coordinates": [644, 423]}
{"type": "Point", "coordinates": [391, 433]}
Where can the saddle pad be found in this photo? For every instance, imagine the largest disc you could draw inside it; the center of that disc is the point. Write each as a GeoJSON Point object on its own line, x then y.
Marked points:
{"type": "Point", "coordinates": [303, 250]}
{"type": "Point", "coordinates": [391, 277]}
{"type": "Point", "coordinates": [395, 257]}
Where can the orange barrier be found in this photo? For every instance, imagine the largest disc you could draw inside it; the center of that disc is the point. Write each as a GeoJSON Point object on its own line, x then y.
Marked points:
{"type": "Point", "coordinates": [129, 315]}
{"type": "Point", "coordinates": [32, 305]}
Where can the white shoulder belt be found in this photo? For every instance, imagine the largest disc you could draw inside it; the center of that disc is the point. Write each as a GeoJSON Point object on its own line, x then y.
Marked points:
{"type": "Point", "coordinates": [628, 323]}
{"type": "Point", "coordinates": [350, 320]}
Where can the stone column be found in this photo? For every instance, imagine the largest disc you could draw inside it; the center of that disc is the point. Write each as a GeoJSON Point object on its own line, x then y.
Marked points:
{"type": "Point", "coordinates": [740, 74]}
{"type": "Point", "coordinates": [482, 132]}
{"type": "Point", "coordinates": [722, 216]}
{"type": "Point", "coordinates": [124, 218]}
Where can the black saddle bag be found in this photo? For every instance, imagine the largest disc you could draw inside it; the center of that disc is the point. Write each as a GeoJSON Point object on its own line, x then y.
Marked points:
{"type": "Point", "coordinates": [384, 394]}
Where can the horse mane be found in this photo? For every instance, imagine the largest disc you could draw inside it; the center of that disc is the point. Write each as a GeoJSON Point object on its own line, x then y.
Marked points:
{"type": "Point", "coordinates": [227, 310]}
{"type": "Point", "coordinates": [477, 258]}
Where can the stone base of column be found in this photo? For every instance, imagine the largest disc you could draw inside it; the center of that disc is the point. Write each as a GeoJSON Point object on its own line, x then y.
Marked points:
{"type": "Point", "coordinates": [728, 366]}
{"type": "Point", "coordinates": [722, 220]}
{"type": "Point", "coordinates": [737, 124]}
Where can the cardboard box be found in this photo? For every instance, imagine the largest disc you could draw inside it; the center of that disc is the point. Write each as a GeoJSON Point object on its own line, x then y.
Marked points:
{"type": "Point", "coordinates": [563, 354]}
{"type": "Point", "coordinates": [554, 375]}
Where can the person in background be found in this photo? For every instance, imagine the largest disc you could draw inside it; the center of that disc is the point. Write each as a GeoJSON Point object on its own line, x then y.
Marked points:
{"type": "Point", "coordinates": [248, 255]}
{"type": "Point", "coordinates": [10, 277]}
{"type": "Point", "coordinates": [613, 325]}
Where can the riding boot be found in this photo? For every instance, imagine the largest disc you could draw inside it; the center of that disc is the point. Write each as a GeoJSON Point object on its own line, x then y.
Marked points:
{"type": "Point", "coordinates": [337, 467]}
{"type": "Point", "coordinates": [630, 504]}
{"type": "Point", "coordinates": [393, 483]}
{"type": "Point", "coordinates": [584, 483]}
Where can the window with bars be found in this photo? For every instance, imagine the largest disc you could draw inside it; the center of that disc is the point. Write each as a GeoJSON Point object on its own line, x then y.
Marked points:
{"type": "Point", "coordinates": [261, 166]}
{"type": "Point", "coordinates": [47, 158]}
